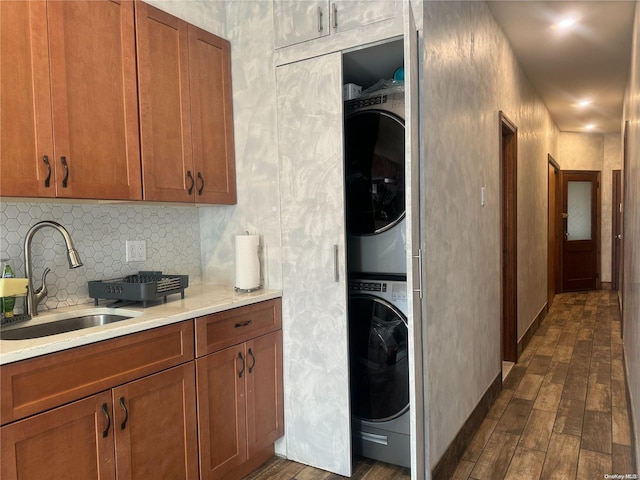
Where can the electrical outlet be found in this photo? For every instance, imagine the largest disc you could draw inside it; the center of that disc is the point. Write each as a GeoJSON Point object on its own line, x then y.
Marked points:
{"type": "Point", "coordinates": [136, 250]}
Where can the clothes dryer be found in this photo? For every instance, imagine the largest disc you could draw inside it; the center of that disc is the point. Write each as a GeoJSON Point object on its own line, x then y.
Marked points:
{"type": "Point", "coordinates": [379, 368]}
{"type": "Point", "coordinates": [375, 183]}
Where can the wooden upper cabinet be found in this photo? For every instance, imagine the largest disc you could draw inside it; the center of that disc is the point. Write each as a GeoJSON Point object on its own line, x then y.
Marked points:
{"type": "Point", "coordinates": [212, 117]}
{"type": "Point", "coordinates": [69, 102]}
{"type": "Point", "coordinates": [165, 119]}
{"type": "Point", "coordinates": [186, 118]}
{"type": "Point", "coordinates": [93, 85]}
{"type": "Point", "coordinates": [25, 101]}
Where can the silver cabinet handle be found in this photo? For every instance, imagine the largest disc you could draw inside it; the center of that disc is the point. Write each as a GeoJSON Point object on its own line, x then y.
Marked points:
{"type": "Point", "coordinates": [419, 259]}
{"type": "Point", "coordinates": [319, 19]}
{"type": "Point", "coordinates": [335, 15]}
{"type": "Point", "coordinates": [336, 268]}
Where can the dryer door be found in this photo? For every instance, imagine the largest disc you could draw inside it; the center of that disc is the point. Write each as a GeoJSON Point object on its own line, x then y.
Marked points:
{"type": "Point", "coordinates": [374, 171]}
{"type": "Point", "coordinates": [379, 359]}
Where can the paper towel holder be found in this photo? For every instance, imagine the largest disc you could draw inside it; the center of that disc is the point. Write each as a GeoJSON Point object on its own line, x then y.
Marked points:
{"type": "Point", "coordinates": [261, 280]}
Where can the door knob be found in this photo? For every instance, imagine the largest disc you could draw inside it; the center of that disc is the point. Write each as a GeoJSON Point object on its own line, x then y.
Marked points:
{"type": "Point", "coordinates": [619, 236]}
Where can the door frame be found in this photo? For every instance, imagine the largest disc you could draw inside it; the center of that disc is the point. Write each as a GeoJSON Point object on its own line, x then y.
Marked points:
{"type": "Point", "coordinates": [509, 238]}
{"type": "Point", "coordinates": [552, 230]}
{"type": "Point", "coordinates": [616, 228]}
{"type": "Point", "coordinates": [596, 220]}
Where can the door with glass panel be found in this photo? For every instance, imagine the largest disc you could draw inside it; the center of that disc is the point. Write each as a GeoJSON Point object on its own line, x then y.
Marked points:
{"type": "Point", "coordinates": [581, 242]}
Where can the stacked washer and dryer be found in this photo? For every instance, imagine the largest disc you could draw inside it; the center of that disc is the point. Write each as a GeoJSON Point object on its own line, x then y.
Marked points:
{"type": "Point", "coordinates": [376, 261]}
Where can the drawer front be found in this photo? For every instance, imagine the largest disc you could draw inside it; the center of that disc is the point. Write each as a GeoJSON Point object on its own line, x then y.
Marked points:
{"type": "Point", "coordinates": [221, 330]}
{"type": "Point", "coordinates": [34, 385]}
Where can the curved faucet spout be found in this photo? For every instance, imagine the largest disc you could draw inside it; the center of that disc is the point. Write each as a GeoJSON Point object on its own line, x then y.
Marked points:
{"type": "Point", "coordinates": [35, 297]}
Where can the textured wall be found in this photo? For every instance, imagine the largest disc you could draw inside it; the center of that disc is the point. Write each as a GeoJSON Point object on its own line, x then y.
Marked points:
{"type": "Point", "coordinates": [631, 292]}
{"type": "Point", "coordinates": [250, 31]}
{"type": "Point", "coordinates": [99, 233]}
{"type": "Point", "coordinates": [470, 74]}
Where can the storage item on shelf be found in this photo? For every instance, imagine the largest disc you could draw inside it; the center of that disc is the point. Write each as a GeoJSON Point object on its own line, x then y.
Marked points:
{"type": "Point", "coordinates": [141, 287]}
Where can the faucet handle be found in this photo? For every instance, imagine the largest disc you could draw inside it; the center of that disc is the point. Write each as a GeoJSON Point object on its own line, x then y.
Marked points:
{"type": "Point", "coordinates": [41, 292]}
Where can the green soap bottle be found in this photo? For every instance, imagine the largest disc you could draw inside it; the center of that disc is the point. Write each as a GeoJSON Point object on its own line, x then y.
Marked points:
{"type": "Point", "coordinates": [8, 302]}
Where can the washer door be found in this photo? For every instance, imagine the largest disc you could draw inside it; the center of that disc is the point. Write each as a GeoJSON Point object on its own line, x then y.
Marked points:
{"type": "Point", "coordinates": [378, 342]}
{"type": "Point", "coordinates": [374, 171]}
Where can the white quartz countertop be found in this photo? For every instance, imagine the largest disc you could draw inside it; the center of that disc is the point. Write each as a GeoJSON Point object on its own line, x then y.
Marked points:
{"type": "Point", "coordinates": [201, 299]}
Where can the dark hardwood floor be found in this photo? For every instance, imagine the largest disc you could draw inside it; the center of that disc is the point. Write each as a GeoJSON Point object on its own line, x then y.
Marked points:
{"type": "Point", "coordinates": [562, 414]}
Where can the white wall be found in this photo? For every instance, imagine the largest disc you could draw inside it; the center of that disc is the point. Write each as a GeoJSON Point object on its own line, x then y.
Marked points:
{"type": "Point", "coordinates": [470, 74]}
{"type": "Point", "coordinates": [592, 151]}
{"type": "Point", "coordinates": [631, 238]}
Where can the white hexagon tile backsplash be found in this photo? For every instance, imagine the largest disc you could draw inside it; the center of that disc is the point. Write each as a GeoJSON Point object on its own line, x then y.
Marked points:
{"type": "Point", "coordinates": [99, 232]}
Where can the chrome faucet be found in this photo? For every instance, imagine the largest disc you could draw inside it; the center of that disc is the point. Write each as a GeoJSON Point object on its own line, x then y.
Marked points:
{"type": "Point", "coordinates": [34, 297]}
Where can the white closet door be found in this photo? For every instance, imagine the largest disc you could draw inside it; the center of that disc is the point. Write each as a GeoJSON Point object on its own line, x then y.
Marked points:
{"type": "Point", "coordinates": [316, 362]}
{"type": "Point", "coordinates": [416, 277]}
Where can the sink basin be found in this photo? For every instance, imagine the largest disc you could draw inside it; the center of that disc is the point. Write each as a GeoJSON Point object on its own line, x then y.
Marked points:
{"type": "Point", "coordinates": [61, 326]}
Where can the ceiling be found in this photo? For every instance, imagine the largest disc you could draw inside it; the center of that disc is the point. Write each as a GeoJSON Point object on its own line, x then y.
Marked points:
{"type": "Point", "coordinates": [588, 60]}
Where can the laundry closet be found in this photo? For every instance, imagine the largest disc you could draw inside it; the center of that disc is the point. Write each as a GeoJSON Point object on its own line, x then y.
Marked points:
{"type": "Point", "coordinates": [351, 247]}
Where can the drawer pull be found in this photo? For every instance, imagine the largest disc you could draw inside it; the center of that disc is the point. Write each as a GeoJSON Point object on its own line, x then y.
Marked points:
{"type": "Point", "coordinates": [243, 365]}
{"type": "Point", "coordinates": [201, 188]}
{"type": "Point", "coordinates": [254, 361]}
{"type": "Point", "coordinates": [105, 432]}
{"type": "Point", "coordinates": [243, 324]}
{"type": "Point", "coordinates": [126, 413]}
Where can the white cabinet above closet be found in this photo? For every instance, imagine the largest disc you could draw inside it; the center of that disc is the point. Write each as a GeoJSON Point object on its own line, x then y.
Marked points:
{"type": "Point", "coordinates": [301, 21]}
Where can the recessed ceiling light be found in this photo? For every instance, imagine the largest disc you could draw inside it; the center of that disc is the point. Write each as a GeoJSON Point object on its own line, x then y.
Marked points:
{"type": "Point", "coordinates": [584, 103]}
{"type": "Point", "coordinates": [590, 126]}
{"type": "Point", "coordinates": [564, 24]}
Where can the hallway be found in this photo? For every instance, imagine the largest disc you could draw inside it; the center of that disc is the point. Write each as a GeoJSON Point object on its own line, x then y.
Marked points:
{"type": "Point", "coordinates": [562, 413]}
{"type": "Point", "coordinates": [563, 409]}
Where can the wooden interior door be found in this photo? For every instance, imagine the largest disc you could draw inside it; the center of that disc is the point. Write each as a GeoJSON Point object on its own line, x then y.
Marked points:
{"type": "Point", "coordinates": [616, 231]}
{"type": "Point", "coordinates": [93, 90]}
{"type": "Point", "coordinates": [155, 426]}
{"type": "Point", "coordinates": [26, 143]}
{"type": "Point", "coordinates": [73, 441]}
{"type": "Point", "coordinates": [552, 237]}
{"type": "Point", "coordinates": [580, 245]}
{"type": "Point", "coordinates": [509, 280]}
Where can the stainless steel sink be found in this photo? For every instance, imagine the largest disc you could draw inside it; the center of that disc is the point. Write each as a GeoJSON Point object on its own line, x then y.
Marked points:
{"type": "Point", "coordinates": [60, 326]}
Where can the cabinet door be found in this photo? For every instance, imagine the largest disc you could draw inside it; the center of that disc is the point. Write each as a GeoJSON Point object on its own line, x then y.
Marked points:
{"type": "Point", "coordinates": [212, 117]}
{"type": "Point", "coordinates": [299, 21]}
{"type": "Point", "coordinates": [93, 87]}
{"type": "Point", "coordinates": [165, 120]}
{"type": "Point", "coordinates": [350, 14]}
{"type": "Point", "coordinates": [265, 395]}
{"type": "Point", "coordinates": [73, 441]}
{"type": "Point", "coordinates": [310, 118]}
{"type": "Point", "coordinates": [25, 111]}
{"type": "Point", "coordinates": [155, 426]}
{"type": "Point", "coordinates": [222, 411]}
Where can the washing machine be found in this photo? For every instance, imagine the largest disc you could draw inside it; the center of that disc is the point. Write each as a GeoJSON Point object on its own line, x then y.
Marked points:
{"type": "Point", "coordinates": [375, 183]}
{"type": "Point", "coordinates": [379, 368]}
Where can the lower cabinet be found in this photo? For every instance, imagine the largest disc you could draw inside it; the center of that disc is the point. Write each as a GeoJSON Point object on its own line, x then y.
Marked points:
{"type": "Point", "coordinates": [140, 430]}
{"type": "Point", "coordinates": [240, 395]}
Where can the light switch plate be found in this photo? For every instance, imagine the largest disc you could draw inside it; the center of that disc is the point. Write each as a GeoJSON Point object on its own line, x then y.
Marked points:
{"type": "Point", "coordinates": [136, 250]}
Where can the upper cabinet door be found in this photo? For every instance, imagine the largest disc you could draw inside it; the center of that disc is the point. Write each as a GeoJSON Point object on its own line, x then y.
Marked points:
{"type": "Point", "coordinates": [165, 119]}
{"type": "Point", "coordinates": [93, 87]}
{"type": "Point", "coordinates": [350, 14]}
{"type": "Point", "coordinates": [299, 21]}
{"type": "Point", "coordinates": [211, 117]}
{"type": "Point", "coordinates": [26, 143]}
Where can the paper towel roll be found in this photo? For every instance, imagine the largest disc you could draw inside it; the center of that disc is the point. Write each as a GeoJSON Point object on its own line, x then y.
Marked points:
{"type": "Point", "coordinates": [247, 262]}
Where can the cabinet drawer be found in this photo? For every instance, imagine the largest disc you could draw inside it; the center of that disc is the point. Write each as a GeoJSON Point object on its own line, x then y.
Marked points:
{"type": "Point", "coordinates": [221, 330]}
{"type": "Point", "coordinates": [34, 385]}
